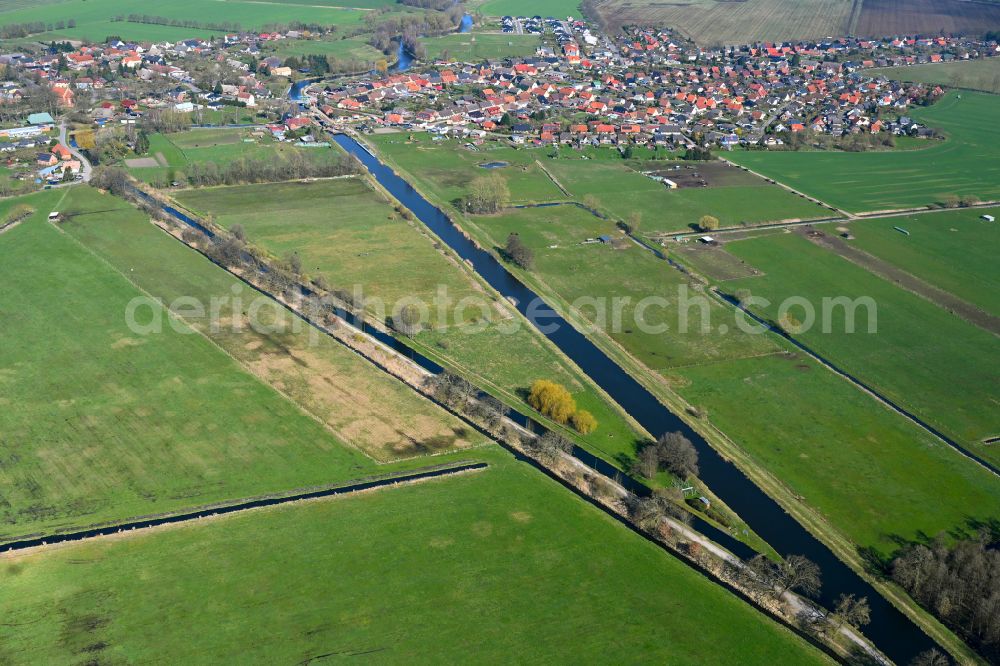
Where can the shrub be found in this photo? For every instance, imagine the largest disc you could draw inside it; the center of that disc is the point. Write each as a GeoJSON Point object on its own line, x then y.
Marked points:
{"type": "Point", "coordinates": [552, 400]}
{"type": "Point", "coordinates": [584, 422]}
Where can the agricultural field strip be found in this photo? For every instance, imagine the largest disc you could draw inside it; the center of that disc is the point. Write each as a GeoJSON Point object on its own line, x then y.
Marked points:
{"type": "Point", "coordinates": [882, 182]}
{"type": "Point", "coordinates": [866, 389]}
{"type": "Point", "coordinates": [890, 420]}
{"type": "Point", "coordinates": [473, 554]}
{"type": "Point", "coordinates": [246, 504]}
{"type": "Point", "coordinates": [405, 398]}
{"type": "Point", "coordinates": [911, 283]}
{"type": "Point", "coordinates": [614, 421]}
{"type": "Point", "coordinates": [899, 310]}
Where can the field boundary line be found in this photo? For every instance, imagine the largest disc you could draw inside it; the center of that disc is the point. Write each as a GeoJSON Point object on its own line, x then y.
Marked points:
{"type": "Point", "coordinates": [553, 179]}
{"type": "Point", "coordinates": [173, 315]}
{"type": "Point", "coordinates": [883, 269]}
{"type": "Point", "coordinates": [861, 385]}
{"type": "Point", "coordinates": [240, 506]}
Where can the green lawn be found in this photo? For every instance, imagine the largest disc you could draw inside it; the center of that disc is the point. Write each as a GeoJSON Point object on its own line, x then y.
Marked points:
{"type": "Point", "coordinates": [924, 358]}
{"type": "Point", "coordinates": [954, 250]}
{"type": "Point", "coordinates": [392, 259]}
{"type": "Point", "coordinates": [345, 232]}
{"type": "Point", "coordinates": [474, 47]}
{"type": "Point", "coordinates": [963, 165]}
{"type": "Point", "coordinates": [982, 74]}
{"type": "Point", "coordinates": [361, 404]}
{"type": "Point", "coordinates": [666, 210]}
{"type": "Point", "coordinates": [498, 565]}
{"type": "Point", "coordinates": [219, 146]}
{"type": "Point", "coordinates": [94, 18]}
{"type": "Point", "coordinates": [589, 276]}
{"type": "Point", "coordinates": [872, 474]}
{"type": "Point", "coordinates": [557, 8]}
{"type": "Point", "coordinates": [445, 168]}
{"type": "Point", "coordinates": [350, 49]}
{"type": "Point", "coordinates": [101, 423]}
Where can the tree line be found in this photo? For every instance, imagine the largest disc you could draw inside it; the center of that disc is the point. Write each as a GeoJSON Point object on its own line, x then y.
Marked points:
{"type": "Point", "coordinates": [409, 27]}
{"type": "Point", "coordinates": [225, 26]}
{"type": "Point", "coordinates": [16, 30]}
{"type": "Point", "coordinates": [958, 583]}
{"type": "Point", "coordinates": [258, 170]}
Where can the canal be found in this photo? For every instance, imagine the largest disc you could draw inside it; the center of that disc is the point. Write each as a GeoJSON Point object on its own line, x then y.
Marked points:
{"type": "Point", "coordinates": [895, 634]}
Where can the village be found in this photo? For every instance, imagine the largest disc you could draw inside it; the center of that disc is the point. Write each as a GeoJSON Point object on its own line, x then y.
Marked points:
{"type": "Point", "coordinates": [581, 88]}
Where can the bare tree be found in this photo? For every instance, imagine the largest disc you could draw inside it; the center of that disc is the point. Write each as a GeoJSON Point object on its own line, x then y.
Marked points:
{"type": "Point", "coordinates": [797, 572]}
{"type": "Point", "coordinates": [932, 657]}
{"type": "Point", "coordinates": [552, 445]}
{"type": "Point", "coordinates": [491, 413]}
{"type": "Point", "coordinates": [678, 454]}
{"type": "Point", "coordinates": [852, 610]}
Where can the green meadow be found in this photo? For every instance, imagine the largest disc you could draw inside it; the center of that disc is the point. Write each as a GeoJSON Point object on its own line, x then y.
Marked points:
{"type": "Point", "coordinates": [475, 47]}
{"type": "Point", "coordinates": [672, 330]}
{"type": "Point", "coordinates": [922, 357]}
{"type": "Point", "coordinates": [95, 18]}
{"type": "Point", "coordinates": [965, 164]}
{"type": "Point", "coordinates": [752, 201]}
{"type": "Point", "coordinates": [363, 406]}
{"type": "Point", "coordinates": [343, 231]}
{"type": "Point", "coordinates": [981, 74]}
{"type": "Point", "coordinates": [954, 250]}
{"type": "Point", "coordinates": [175, 152]}
{"type": "Point", "coordinates": [503, 564]}
{"type": "Point", "coordinates": [445, 168]}
{"type": "Point", "coordinates": [346, 232]}
{"type": "Point", "coordinates": [786, 411]}
{"type": "Point", "coordinates": [100, 423]}
{"type": "Point", "coordinates": [557, 8]}
{"type": "Point", "coordinates": [830, 449]}
{"type": "Point", "coordinates": [872, 475]}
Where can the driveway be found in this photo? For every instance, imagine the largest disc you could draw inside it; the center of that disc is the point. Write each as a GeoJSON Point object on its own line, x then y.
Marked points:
{"type": "Point", "coordinates": [86, 169]}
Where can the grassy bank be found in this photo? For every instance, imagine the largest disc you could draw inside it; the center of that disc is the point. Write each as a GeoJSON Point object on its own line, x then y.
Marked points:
{"type": "Point", "coordinates": [477, 564]}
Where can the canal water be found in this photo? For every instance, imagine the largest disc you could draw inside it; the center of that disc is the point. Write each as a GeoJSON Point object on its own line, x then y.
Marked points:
{"type": "Point", "coordinates": [892, 632]}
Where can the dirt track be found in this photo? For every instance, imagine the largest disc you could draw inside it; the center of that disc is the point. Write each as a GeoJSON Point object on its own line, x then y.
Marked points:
{"type": "Point", "coordinates": [907, 281]}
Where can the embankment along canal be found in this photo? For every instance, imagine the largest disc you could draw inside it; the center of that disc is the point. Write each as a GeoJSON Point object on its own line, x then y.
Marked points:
{"type": "Point", "coordinates": [892, 631]}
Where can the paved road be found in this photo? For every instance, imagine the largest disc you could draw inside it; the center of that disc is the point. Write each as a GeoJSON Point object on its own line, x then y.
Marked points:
{"type": "Point", "coordinates": [86, 168]}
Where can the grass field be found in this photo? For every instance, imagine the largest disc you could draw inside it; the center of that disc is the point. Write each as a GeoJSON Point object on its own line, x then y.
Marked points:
{"type": "Point", "coordinates": [474, 47]}
{"type": "Point", "coordinates": [362, 405]}
{"type": "Point", "coordinates": [924, 358]}
{"type": "Point", "coordinates": [982, 74]}
{"type": "Point", "coordinates": [557, 8]}
{"type": "Point", "coordinates": [790, 400]}
{"type": "Point", "coordinates": [349, 49]}
{"type": "Point", "coordinates": [108, 424]}
{"type": "Point", "coordinates": [666, 210]}
{"type": "Point", "coordinates": [965, 164]}
{"type": "Point", "coordinates": [480, 564]}
{"type": "Point", "coordinates": [174, 152]}
{"type": "Point", "coordinates": [714, 22]}
{"type": "Point", "coordinates": [874, 476]}
{"type": "Point", "coordinates": [94, 18]}
{"type": "Point", "coordinates": [591, 275]}
{"type": "Point", "coordinates": [392, 260]}
{"type": "Point", "coordinates": [955, 250]}
{"type": "Point", "coordinates": [344, 231]}
{"type": "Point", "coordinates": [445, 168]}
